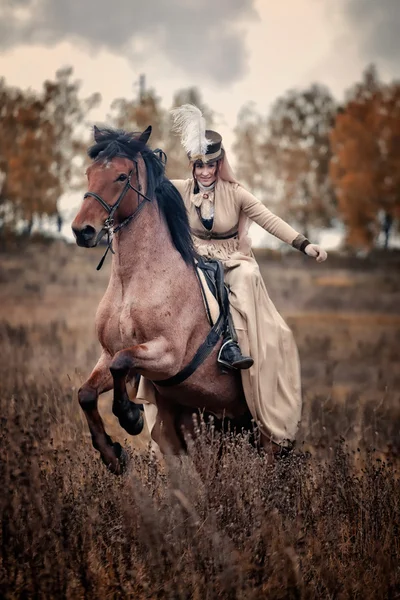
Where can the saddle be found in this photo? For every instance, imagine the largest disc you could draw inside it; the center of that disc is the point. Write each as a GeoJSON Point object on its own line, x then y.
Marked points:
{"type": "Point", "coordinates": [214, 276]}
{"type": "Point", "coordinates": [213, 272]}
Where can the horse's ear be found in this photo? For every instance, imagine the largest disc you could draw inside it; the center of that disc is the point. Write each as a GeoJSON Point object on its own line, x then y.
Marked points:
{"type": "Point", "coordinates": [96, 134]}
{"type": "Point", "coordinates": [144, 136]}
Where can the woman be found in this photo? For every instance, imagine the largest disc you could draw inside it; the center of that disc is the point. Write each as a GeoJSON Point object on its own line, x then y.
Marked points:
{"type": "Point", "coordinates": [219, 209]}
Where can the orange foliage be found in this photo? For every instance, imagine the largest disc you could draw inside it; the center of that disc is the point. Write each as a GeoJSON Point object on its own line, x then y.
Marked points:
{"type": "Point", "coordinates": [37, 148]}
{"type": "Point", "coordinates": [365, 165]}
{"type": "Point", "coordinates": [284, 158]}
{"type": "Point", "coordinates": [137, 114]}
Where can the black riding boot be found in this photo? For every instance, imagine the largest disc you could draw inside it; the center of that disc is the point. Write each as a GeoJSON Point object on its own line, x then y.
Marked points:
{"type": "Point", "coordinates": [230, 355]}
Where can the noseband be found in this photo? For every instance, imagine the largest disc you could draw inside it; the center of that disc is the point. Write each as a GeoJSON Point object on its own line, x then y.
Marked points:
{"type": "Point", "coordinates": [108, 227]}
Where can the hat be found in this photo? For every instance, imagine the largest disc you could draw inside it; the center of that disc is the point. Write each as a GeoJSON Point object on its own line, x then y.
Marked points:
{"type": "Point", "coordinates": [214, 149]}
{"type": "Point", "coordinates": [201, 144]}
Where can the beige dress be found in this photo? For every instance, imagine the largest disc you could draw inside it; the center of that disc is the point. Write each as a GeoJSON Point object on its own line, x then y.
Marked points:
{"type": "Point", "coordinates": [272, 385]}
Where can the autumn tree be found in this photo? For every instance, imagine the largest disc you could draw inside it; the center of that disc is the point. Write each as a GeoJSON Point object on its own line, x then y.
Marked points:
{"type": "Point", "coordinates": [146, 109]}
{"type": "Point", "coordinates": [39, 146]}
{"type": "Point", "coordinates": [68, 112]}
{"type": "Point", "coordinates": [284, 158]}
{"type": "Point", "coordinates": [137, 114]}
{"type": "Point", "coordinates": [251, 162]}
{"type": "Point", "coordinates": [29, 185]}
{"type": "Point", "coordinates": [365, 165]}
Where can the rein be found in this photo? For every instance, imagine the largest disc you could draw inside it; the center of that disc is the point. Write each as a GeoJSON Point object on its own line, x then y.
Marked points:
{"type": "Point", "coordinates": [108, 227]}
{"type": "Point", "coordinates": [202, 352]}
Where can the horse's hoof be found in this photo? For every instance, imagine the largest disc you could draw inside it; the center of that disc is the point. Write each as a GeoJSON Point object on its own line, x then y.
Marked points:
{"type": "Point", "coordinates": [119, 465]}
{"type": "Point", "coordinates": [123, 458]}
{"type": "Point", "coordinates": [132, 421]}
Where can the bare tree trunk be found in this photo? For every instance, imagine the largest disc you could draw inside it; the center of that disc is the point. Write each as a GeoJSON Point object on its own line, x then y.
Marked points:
{"type": "Point", "coordinates": [387, 228]}
{"type": "Point", "coordinates": [28, 228]}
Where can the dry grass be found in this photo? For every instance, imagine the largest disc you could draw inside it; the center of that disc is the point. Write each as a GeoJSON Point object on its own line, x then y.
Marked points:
{"type": "Point", "coordinates": [322, 523]}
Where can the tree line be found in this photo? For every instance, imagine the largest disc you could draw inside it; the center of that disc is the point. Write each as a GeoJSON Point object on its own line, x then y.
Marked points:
{"type": "Point", "coordinates": [313, 160]}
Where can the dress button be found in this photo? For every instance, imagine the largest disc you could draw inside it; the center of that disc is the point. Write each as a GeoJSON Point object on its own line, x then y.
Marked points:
{"type": "Point", "coordinates": [205, 196]}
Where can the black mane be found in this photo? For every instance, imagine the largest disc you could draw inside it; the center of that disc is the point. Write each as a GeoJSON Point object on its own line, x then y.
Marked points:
{"type": "Point", "coordinates": [111, 143]}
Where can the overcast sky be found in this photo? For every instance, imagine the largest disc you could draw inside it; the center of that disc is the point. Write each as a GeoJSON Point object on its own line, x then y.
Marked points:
{"type": "Point", "coordinates": [234, 51]}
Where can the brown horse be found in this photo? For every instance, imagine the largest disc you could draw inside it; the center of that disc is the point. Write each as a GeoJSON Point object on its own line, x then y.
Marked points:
{"type": "Point", "coordinates": [152, 319]}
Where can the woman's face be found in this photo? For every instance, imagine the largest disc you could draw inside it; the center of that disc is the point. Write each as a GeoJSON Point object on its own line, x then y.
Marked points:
{"type": "Point", "coordinates": [205, 173]}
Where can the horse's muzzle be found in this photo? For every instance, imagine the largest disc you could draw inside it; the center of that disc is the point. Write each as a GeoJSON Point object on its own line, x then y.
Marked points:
{"type": "Point", "coordinates": [86, 236]}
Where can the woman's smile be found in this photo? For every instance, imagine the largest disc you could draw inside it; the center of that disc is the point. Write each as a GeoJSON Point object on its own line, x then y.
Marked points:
{"type": "Point", "coordinates": [205, 173]}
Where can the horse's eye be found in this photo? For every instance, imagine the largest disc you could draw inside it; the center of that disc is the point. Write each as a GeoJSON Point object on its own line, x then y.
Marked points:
{"type": "Point", "coordinates": [122, 177]}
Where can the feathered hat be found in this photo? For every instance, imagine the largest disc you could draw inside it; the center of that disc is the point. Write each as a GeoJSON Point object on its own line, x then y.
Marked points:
{"type": "Point", "coordinates": [200, 143]}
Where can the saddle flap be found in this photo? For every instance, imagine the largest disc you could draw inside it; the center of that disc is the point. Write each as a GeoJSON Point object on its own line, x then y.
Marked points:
{"type": "Point", "coordinates": [214, 275]}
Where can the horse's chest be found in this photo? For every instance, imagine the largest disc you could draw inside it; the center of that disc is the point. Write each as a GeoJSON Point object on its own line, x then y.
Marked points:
{"type": "Point", "coordinates": [116, 327]}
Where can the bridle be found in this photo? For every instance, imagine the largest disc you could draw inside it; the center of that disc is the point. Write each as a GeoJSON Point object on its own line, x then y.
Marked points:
{"type": "Point", "coordinates": [108, 226]}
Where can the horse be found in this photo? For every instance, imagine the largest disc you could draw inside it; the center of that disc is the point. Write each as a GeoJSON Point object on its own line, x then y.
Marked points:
{"type": "Point", "coordinates": [152, 319]}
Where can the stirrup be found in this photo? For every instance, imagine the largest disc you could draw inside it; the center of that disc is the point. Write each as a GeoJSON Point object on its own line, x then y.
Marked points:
{"type": "Point", "coordinates": [231, 357]}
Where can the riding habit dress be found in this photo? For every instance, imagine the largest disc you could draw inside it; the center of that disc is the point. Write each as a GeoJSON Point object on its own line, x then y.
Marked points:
{"type": "Point", "coordinates": [272, 386]}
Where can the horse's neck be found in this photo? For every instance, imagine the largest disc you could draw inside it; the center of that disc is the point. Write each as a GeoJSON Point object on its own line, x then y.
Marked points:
{"type": "Point", "coordinates": [144, 248]}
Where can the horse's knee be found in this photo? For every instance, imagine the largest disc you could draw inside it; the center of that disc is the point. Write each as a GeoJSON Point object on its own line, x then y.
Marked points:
{"type": "Point", "coordinates": [129, 415]}
{"type": "Point", "coordinates": [87, 397]}
{"type": "Point", "coordinates": [121, 363]}
{"type": "Point", "coordinates": [132, 420]}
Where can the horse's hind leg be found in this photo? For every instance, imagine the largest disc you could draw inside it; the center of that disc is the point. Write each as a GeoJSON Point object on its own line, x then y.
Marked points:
{"type": "Point", "coordinates": [167, 431]}
{"type": "Point", "coordinates": [100, 381]}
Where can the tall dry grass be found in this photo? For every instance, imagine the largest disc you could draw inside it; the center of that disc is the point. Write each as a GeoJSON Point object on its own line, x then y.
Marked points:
{"type": "Point", "coordinates": [221, 523]}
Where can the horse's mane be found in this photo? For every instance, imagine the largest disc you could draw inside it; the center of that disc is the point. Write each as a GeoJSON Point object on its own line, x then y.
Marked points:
{"type": "Point", "coordinates": [111, 143]}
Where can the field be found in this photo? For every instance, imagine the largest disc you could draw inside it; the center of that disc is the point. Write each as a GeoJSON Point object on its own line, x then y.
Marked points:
{"type": "Point", "coordinates": [321, 523]}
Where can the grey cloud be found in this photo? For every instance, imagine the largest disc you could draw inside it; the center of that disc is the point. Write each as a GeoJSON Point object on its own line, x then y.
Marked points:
{"type": "Point", "coordinates": [377, 25]}
{"type": "Point", "coordinates": [198, 36]}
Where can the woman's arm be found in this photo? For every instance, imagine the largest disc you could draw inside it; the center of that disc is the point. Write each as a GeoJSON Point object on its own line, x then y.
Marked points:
{"type": "Point", "coordinates": [260, 214]}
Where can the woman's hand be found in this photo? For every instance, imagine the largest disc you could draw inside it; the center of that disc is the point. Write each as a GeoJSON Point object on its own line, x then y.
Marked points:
{"type": "Point", "coordinates": [316, 252]}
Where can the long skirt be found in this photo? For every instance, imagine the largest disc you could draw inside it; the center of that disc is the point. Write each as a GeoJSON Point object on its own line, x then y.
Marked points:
{"type": "Point", "coordinates": [272, 386]}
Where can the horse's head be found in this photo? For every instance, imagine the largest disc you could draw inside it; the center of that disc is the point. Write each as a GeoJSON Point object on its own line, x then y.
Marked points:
{"type": "Point", "coordinates": [116, 184]}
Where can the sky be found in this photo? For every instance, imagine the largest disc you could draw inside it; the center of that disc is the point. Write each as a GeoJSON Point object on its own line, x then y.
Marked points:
{"type": "Point", "coordinates": [234, 51]}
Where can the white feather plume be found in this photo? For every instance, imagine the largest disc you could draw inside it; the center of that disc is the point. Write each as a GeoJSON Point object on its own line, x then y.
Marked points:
{"type": "Point", "coordinates": [190, 124]}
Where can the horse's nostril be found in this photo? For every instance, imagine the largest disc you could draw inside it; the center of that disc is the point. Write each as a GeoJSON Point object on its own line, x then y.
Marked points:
{"type": "Point", "coordinates": [88, 232]}
{"type": "Point", "coordinates": [85, 235]}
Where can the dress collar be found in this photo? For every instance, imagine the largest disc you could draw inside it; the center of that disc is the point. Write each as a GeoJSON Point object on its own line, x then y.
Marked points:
{"type": "Point", "coordinates": [205, 193]}
{"type": "Point", "coordinates": [206, 188]}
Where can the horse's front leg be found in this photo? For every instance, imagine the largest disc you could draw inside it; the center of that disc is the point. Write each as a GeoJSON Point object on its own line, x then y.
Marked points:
{"type": "Point", "coordinates": [129, 414]}
{"type": "Point", "coordinates": [151, 357]}
{"type": "Point", "coordinates": [100, 381]}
